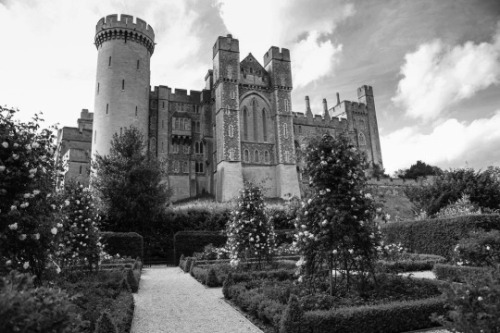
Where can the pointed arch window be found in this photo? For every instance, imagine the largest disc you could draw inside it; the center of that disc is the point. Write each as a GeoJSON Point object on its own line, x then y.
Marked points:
{"type": "Point", "coordinates": [256, 156]}
{"type": "Point", "coordinates": [361, 139]}
{"type": "Point", "coordinates": [197, 147]}
{"type": "Point", "coordinates": [285, 130]}
{"type": "Point", "coordinates": [185, 167]}
{"type": "Point", "coordinates": [266, 156]}
{"type": "Point", "coordinates": [245, 123]}
{"type": "Point", "coordinates": [246, 156]}
{"type": "Point", "coordinates": [264, 124]}
{"type": "Point", "coordinates": [254, 115]}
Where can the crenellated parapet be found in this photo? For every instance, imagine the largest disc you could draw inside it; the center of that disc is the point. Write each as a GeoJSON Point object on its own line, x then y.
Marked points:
{"type": "Point", "coordinates": [111, 27]}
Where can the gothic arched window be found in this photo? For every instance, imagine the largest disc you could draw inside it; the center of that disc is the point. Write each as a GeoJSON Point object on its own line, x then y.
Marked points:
{"type": "Point", "coordinates": [256, 156]}
{"type": "Point", "coordinates": [266, 156]}
{"type": "Point", "coordinates": [201, 147]}
{"type": "Point", "coordinates": [264, 124]}
{"type": "Point", "coordinates": [285, 130]}
{"type": "Point", "coordinates": [361, 139]}
{"type": "Point", "coordinates": [245, 123]}
{"type": "Point", "coordinates": [196, 147]}
{"type": "Point", "coordinates": [246, 155]}
{"type": "Point", "coordinates": [185, 167]}
{"type": "Point", "coordinates": [254, 115]}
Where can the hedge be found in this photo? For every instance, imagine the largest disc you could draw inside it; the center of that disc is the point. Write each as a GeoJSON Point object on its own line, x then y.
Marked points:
{"type": "Point", "coordinates": [392, 317]}
{"type": "Point", "coordinates": [437, 236]}
{"type": "Point", "coordinates": [423, 262]}
{"type": "Point", "coordinates": [188, 242]}
{"type": "Point", "coordinates": [126, 244]}
{"type": "Point", "coordinates": [460, 274]}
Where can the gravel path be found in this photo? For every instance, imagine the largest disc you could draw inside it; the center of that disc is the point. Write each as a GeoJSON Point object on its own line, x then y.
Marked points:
{"type": "Point", "coordinates": [170, 300]}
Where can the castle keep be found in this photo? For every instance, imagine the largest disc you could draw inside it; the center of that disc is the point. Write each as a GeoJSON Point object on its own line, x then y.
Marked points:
{"type": "Point", "coordinates": [240, 127]}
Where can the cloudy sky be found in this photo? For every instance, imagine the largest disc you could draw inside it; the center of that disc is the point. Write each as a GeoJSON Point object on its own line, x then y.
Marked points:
{"type": "Point", "coordinates": [434, 64]}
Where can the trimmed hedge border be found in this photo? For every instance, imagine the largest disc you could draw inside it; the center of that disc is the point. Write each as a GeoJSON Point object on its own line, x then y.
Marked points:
{"type": "Point", "coordinates": [126, 244]}
{"type": "Point", "coordinates": [202, 274]}
{"type": "Point", "coordinates": [388, 318]}
{"type": "Point", "coordinates": [437, 236]}
{"type": "Point", "coordinates": [426, 263]}
{"type": "Point", "coordinates": [391, 317]}
{"type": "Point", "coordinates": [459, 274]}
{"type": "Point", "coordinates": [188, 242]}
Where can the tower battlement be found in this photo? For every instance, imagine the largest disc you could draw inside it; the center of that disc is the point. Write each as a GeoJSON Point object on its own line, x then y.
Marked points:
{"type": "Point", "coordinates": [124, 27]}
{"type": "Point", "coordinates": [227, 43]}
{"type": "Point", "coordinates": [277, 54]}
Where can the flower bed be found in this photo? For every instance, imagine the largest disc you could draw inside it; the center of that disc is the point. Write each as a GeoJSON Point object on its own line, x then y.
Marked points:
{"type": "Point", "coordinates": [396, 305]}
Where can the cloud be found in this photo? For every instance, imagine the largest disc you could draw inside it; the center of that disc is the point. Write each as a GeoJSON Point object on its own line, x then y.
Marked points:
{"type": "Point", "coordinates": [437, 76]}
{"type": "Point", "coordinates": [450, 144]}
{"type": "Point", "coordinates": [49, 60]}
{"type": "Point", "coordinates": [297, 25]}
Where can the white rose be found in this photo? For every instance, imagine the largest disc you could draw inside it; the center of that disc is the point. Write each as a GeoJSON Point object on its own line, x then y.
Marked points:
{"type": "Point", "coordinates": [53, 231]}
{"type": "Point", "coordinates": [5, 144]}
{"type": "Point", "coordinates": [13, 226]}
{"type": "Point", "coordinates": [22, 237]}
{"type": "Point", "coordinates": [2, 168]}
{"type": "Point", "coordinates": [26, 265]}
{"type": "Point", "coordinates": [66, 202]}
{"type": "Point", "coordinates": [35, 145]}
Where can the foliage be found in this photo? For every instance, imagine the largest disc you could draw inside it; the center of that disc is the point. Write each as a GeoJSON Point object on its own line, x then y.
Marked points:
{"type": "Point", "coordinates": [105, 324]}
{"type": "Point", "coordinates": [335, 228]}
{"type": "Point", "coordinates": [129, 184]}
{"type": "Point", "coordinates": [292, 318]}
{"type": "Point", "coordinates": [126, 244]}
{"type": "Point", "coordinates": [189, 242]}
{"type": "Point", "coordinates": [79, 240]}
{"type": "Point", "coordinates": [437, 236]}
{"type": "Point", "coordinates": [461, 274]}
{"type": "Point", "coordinates": [24, 308]}
{"type": "Point", "coordinates": [408, 262]}
{"type": "Point", "coordinates": [419, 169]}
{"type": "Point", "coordinates": [461, 207]}
{"type": "Point", "coordinates": [482, 187]}
{"type": "Point", "coordinates": [27, 178]}
{"type": "Point", "coordinates": [474, 306]}
{"type": "Point", "coordinates": [132, 280]}
{"type": "Point", "coordinates": [480, 248]}
{"type": "Point", "coordinates": [212, 280]}
{"type": "Point", "coordinates": [250, 232]}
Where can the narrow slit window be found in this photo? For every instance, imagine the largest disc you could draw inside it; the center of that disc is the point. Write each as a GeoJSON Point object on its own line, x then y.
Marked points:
{"type": "Point", "coordinates": [109, 61]}
{"type": "Point", "coordinates": [256, 156]}
{"type": "Point", "coordinates": [98, 87]}
{"type": "Point", "coordinates": [137, 64]}
{"type": "Point", "coordinates": [264, 124]}
{"type": "Point", "coordinates": [136, 111]}
{"type": "Point", "coordinates": [107, 108]}
{"type": "Point", "coordinates": [80, 169]}
{"type": "Point", "coordinates": [123, 84]}
{"type": "Point", "coordinates": [201, 147]}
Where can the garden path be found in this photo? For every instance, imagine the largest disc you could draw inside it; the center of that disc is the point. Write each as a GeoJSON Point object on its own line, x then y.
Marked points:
{"type": "Point", "coordinates": [170, 300]}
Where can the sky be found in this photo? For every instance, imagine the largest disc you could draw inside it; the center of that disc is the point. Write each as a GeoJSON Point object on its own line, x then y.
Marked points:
{"type": "Point", "coordinates": [434, 64]}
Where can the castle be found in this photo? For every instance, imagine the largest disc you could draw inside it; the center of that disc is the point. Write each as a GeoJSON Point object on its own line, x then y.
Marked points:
{"type": "Point", "coordinates": [240, 127]}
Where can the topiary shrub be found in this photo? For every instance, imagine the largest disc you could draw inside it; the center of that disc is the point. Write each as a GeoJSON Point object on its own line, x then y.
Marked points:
{"type": "Point", "coordinates": [212, 280]}
{"type": "Point", "coordinates": [228, 282]}
{"type": "Point", "coordinates": [132, 281]}
{"type": "Point", "coordinates": [126, 285]}
{"type": "Point", "coordinates": [292, 318]}
{"type": "Point", "coordinates": [105, 324]}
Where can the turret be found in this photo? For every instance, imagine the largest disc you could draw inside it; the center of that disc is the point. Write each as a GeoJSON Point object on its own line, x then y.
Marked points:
{"type": "Point", "coordinates": [326, 114]}
{"type": "Point", "coordinates": [124, 48]}
{"type": "Point", "coordinates": [226, 62]}
{"type": "Point", "coordinates": [365, 95]}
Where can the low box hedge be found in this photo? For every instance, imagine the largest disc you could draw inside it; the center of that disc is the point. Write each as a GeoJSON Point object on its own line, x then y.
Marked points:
{"type": "Point", "coordinates": [392, 317]}
{"type": "Point", "coordinates": [126, 244]}
{"type": "Point", "coordinates": [437, 236]}
{"type": "Point", "coordinates": [459, 274]}
{"type": "Point", "coordinates": [420, 262]}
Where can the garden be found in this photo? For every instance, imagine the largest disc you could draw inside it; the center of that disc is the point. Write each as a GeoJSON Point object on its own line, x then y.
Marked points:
{"type": "Point", "coordinates": [71, 259]}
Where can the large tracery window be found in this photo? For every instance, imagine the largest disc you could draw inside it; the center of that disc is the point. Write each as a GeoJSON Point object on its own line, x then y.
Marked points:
{"type": "Point", "coordinates": [245, 123]}
{"type": "Point", "coordinates": [264, 124]}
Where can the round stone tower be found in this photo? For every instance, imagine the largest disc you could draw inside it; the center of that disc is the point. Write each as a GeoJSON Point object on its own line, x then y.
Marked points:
{"type": "Point", "coordinates": [123, 76]}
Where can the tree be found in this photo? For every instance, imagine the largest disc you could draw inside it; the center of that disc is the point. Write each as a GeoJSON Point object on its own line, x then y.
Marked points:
{"type": "Point", "coordinates": [250, 232]}
{"type": "Point", "coordinates": [335, 229]}
{"type": "Point", "coordinates": [129, 184]}
{"type": "Point", "coordinates": [419, 169]}
{"type": "Point", "coordinates": [28, 223]}
{"type": "Point", "coordinates": [482, 187]}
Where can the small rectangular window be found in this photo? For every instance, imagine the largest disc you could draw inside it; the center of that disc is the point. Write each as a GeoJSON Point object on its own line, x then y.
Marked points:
{"type": "Point", "coordinates": [123, 84]}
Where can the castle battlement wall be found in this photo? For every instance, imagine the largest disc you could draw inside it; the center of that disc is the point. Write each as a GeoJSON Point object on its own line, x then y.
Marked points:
{"type": "Point", "coordinates": [112, 27]}
{"type": "Point", "coordinates": [299, 118]}
{"type": "Point", "coordinates": [277, 54]}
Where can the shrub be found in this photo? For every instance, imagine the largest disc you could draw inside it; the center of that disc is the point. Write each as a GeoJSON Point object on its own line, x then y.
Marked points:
{"type": "Point", "coordinates": [480, 248]}
{"type": "Point", "coordinates": [126, 244]}
{"type": "Point", "coordinates": [24, 308]}
{"type": "Point", "coordinates": [437, 236]}
{"type": "Point", "coordinates": [461, 207]}
{"type": "Point", "coordinates": [212, 280]}
{"type": "Point", "coordinates": [105, 324]}
{"type": "Point", "coordinates": [291, 320]}
{"type": "Point", "coordinates": [228, 282]}
{"type": "Point", "coordinates": [249, 232]}
{"type": "Point", "coordinates": [474, 306]}
{"type": "Point", "coordinates": [132, 281]}
{"type": "Point", "coordinates": [408, 262]}
{"type": "Point", "coordinates": [459, 273]}
{"type": "Point", "coordinates": [189, 242]}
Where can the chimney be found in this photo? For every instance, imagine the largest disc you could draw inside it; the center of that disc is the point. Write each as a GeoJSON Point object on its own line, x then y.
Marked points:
{"type": "Point", "coordinates": [338, 98]}
{"type": "Point", "coordinates": [326, 115]}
